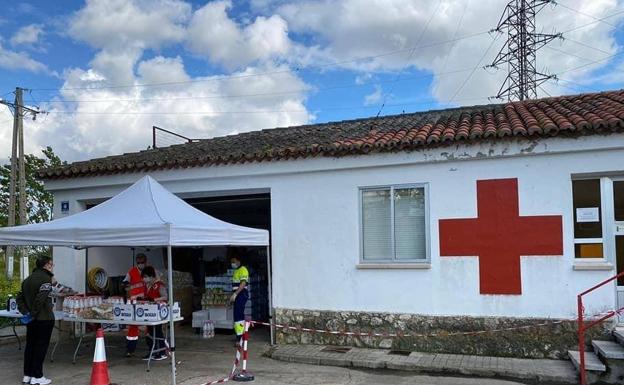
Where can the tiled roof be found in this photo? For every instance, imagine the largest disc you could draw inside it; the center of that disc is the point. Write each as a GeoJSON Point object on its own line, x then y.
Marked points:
{"type": "Point", "coordinates": [572, 115]}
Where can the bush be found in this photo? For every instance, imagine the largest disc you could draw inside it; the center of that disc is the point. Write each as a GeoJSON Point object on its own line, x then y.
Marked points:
{"type": "Point", "coordinates": [7, 287]}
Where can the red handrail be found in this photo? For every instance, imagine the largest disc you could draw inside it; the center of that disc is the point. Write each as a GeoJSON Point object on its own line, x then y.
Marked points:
{"type": "Point", "coordinates": [582, 327]}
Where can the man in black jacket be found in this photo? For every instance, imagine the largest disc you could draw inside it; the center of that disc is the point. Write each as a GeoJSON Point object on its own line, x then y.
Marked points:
{"type": "Point", "coordinates": [35, 299]}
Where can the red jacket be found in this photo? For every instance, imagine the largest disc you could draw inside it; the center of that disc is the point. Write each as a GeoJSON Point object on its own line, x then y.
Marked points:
{"type": "Point", "coordinates": [154, 292]}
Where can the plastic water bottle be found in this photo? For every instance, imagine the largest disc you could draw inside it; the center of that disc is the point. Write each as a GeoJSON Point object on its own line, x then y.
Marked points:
{"type": "Point", "coordinates": [212, 329]}
{"type": "Point", "coordinates": [206, 330]}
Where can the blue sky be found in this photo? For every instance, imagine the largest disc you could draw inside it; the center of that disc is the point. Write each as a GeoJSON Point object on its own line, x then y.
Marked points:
{"type": "Point", "coordinates": [105, 71]}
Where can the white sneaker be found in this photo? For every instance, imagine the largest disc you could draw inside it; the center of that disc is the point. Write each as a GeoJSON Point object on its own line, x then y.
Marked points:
{"type": "Point", "coordinates": [26, 380]}
{"type": "Point", "coordinates": [40, 381]}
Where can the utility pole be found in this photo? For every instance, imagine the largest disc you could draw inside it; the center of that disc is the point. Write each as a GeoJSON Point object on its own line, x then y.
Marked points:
{"type": "Point", "coordinates": [520, 49]}
{"type": "Point", "coordinates": [18, 171]}
{"type": "Point", "coordinates": [12, 203]}
{"type": "Point", "coordinates": [19, 103]}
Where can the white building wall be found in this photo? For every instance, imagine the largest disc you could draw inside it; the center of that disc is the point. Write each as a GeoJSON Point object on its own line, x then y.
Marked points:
{"type": "Point", "coordinates": [315, 225]}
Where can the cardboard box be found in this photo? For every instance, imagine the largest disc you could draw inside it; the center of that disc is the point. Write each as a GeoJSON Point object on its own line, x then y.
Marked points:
{"type": "Point", "coordinates": [221, 314]}
{"type": "Point", "coordinates": [199, 317]}
{"type": "Point", "coordinates": [123, 312]}
{"type": "Point", "coordinates": [12, 306]}
{"type": "Point", "coordinates": [154, 312]}
{"type": "Point", "coordinates": [176, 310]}
{"type": "Point", "coordinates": [111, 327]}
{"type": "Point", "coordinates": [184, 296]}
{"type": "Point", "coordinates": [148, 312]}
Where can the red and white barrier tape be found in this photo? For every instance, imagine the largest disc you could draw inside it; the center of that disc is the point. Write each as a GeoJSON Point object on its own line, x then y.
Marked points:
{"type": "Point", "coordinates": [439, 334]}
{"type": "Point", "coordinates": [243, 344]}
{"type": "Point", "coordinates": [241, 347]}
{"type": "Point", "coordinates": [245, 339]}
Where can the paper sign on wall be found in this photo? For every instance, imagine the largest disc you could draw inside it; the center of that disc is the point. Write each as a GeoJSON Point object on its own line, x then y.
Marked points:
{"type": "Point", "coordinates": [587, 214]}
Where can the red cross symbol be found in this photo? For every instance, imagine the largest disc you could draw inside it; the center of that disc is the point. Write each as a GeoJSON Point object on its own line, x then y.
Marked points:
{"type": "Point", "coordinates": [499, 236]}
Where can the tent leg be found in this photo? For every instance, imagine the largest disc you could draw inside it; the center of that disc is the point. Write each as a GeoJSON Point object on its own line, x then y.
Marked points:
{"type": "Point", "coordinates": [86, 281]}
{"type": "Point", "coordinates": [171, 324]}
{"type": "Point", "coordinates": [270, 272]}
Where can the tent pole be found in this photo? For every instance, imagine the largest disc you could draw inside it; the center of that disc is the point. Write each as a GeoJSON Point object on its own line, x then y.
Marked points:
{"type": "Point", "coordinates": [270, 272]}
{"type": "Point", "coordinates": [171, 324]}
{"type": "Point", "coordinates": [86, 276]}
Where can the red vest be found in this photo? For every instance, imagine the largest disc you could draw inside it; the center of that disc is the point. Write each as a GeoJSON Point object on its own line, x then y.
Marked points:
{"type": "Point", "coordinates": [137, 286]}
{"type": "Point", "coordinates": [153, 292]}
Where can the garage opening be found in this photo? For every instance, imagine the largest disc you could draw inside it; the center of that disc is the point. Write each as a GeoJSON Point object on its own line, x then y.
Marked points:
{"type": "Point", "coordinates": [212, 271]}
{"type": "Point", "coordinates": [202, 275]}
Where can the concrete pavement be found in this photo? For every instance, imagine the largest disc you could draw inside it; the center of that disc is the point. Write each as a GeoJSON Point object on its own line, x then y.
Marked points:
{"type": "Point", "coordinates": [536, 371]}
{"type": "Point", "coordinates": [204, 360]}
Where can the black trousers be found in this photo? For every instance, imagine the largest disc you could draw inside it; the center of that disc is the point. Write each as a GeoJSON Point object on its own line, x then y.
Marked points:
{"type": "Point", "coordinates": [38, 335]}
{"type": "Point", "coordinates": [158, 332]}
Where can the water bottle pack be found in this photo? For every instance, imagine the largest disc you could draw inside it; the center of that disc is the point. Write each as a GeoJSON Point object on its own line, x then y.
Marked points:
{"type": "Point", "coordinates": [208, 330]}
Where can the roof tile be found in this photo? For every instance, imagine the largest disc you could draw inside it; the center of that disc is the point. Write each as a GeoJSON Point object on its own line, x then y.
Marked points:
{"type": "Point", "coordinates": [584, 114]}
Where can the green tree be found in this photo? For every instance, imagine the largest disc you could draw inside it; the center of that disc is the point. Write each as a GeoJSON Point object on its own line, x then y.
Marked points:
{"type": "Point", "coordinates": [38, 209]}
{"type": "Point", "coordinates": [38, 200]}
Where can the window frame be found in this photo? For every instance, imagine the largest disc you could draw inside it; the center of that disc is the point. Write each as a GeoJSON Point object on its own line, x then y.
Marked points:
{"type": "Point", "coordinates": [605, 218]}
{"type": "Point", "coordinates": [427, 236]}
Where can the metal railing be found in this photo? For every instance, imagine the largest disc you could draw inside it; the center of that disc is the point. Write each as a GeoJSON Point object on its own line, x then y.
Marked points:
{"type": "Point", "coordinates": [156, 129]}
{"type": "Point", "coordinates": [582, 326]}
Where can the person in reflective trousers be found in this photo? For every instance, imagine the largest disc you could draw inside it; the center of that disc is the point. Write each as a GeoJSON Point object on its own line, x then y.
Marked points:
{"type": "Point", "coordinates": [136, 290]}
{"type": "Point", "coordinates": [240, 295]}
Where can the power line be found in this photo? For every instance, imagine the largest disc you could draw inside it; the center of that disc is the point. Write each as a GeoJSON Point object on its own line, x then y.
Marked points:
{"type": "Point", "coordinates": [586, 45]}
{"type": "Point", "coordinates": [224, 96]}
{"type": "Point", "coordinates": [578, 84]}
{"type": "Point", "coordinates": [568, 53]}
{"type": "Point", "coordinates": [474, 69]}
{"type": "Point", "coordinates": [544, 91]}
{"type": "Point", "coordinates": [590, 63]}
{"type": "Point", "coordinates": [583, 13]}
{"type": "Point", "coordinates": [563, 85]}
{"type": "Point", "coordinates": [230, 77]}
{"type": "Point", "coordinates": [593, 22]}
{"type": "Point", "coordinates": [422, 33]}
{"type": "Point", "coordinates": [431, 101]}
{"type": "Point", "coordinates": [459, 24]}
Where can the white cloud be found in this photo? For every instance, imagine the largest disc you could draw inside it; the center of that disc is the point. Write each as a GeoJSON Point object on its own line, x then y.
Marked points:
{"type": "Point", "coordinates": [214, 35]}
{"type": "Point", "coordinates": [162, 70]}
{"type": "Point", "coordinates": [14, 60]}
{"type": "Point", "coordinates": [373, 98]}
{"type": "Point", "coordinates": [27, 35]}
{"type": "Point", "coordinates": [117, 24]}
{"type": "Point", "coordinates": [6, 129]}
{"type": "Point", "coordinates": [349, 29]}
{"type": "Point", "coordinates": [280, 35]}
{"type": "Point", "coordinates": [202, 107]}
{"type": "Point", "coordinates": [100, 121]}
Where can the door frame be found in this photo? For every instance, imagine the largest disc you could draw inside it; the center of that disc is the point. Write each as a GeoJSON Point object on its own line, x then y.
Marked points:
{"type": "Point", "coordinates": [614, 229]}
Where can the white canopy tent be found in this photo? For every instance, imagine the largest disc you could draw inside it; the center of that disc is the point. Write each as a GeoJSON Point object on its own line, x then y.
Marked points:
{"type": "Point", "coordinates": [145, 214]}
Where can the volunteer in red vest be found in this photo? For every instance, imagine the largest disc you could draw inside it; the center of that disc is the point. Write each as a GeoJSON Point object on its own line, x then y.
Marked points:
{"type": "Point", "coordinates": [156, 292]}
{"type": "Point", "coordinates": [136, 290]}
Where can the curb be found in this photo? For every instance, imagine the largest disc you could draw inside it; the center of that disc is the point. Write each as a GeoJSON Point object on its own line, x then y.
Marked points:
{"type": "Point", "coordinates": [455, 365]}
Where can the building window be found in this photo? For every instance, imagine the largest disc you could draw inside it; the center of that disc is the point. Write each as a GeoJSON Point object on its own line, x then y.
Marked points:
{"type": "Point", "coordinates": [588, 241]}
{"type": "Point", "coordinates": [394, 224]}
{"type": "Point", "coordinates": [618, 200]}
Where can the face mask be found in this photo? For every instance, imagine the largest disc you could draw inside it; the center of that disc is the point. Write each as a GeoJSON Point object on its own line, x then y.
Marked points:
{"type": "Point", "coordinates": [235, 265]}
{"type": "Point", "coordinates": [141, 266]}
{"type": "Point", "coordinates": [147, 280]}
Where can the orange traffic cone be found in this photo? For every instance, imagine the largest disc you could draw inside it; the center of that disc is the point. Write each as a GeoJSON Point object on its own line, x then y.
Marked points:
{"type": "Point", "coordinates": [99, 373]}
